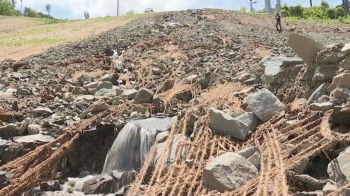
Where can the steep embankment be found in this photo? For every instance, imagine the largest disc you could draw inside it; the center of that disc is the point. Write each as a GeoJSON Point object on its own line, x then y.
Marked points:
{"type": "Point", "coordinates": [70, 102]}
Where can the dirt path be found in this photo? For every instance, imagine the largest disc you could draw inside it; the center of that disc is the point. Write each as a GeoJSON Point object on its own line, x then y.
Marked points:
{"type": "Point", "coordinates": [21, 37]}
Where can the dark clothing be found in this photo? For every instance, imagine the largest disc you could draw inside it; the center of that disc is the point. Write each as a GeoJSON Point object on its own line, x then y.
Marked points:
{"type": "Point", "coordinates": [278, 20]}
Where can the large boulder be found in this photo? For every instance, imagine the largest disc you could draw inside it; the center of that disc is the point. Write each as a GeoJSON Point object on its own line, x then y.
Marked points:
{"type": "Point", "coordinates": [339, 168]}
{"type": "Point", "coordinates": [306, 48]}
{"type": "Point", "coordinates": [273, 66]}
{"type": "Point", "coordinates": [346, 49]}
{"type": "Point", "coordinates": [227, 125]}
{"type": "Point", "coordinates": [9, 130]}
{"type": "Point", "coordinates": [318, 93]}
{"type": "Point", "coordinates": [264, 104]}
{"type": "Point", "coordinates": [228, 171]}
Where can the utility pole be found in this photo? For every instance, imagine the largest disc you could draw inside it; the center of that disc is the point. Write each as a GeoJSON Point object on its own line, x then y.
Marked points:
{"type": "Point", "coordinates": [251, 5]}
{"type": "Point", "coordinates": [310, 3]}
{"type": "Point", "coordinates": [117, 7]}
{"type": "Point", "coordinates": [346, 8]}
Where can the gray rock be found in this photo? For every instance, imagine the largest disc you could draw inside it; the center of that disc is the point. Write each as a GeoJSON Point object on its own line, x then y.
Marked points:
{"type": "Point", "coordinates": [156, 71]}
{"type": "Point", "coordinates": [106, 92]}
{"type": "Point", "coordinates": [229, 171]}
{"type": "Point", "coordinates": [34, 129]}
{"type": "Point", "coordinates": [86, 98]}
{"type": "Point", "coordinates": [91, 85]}
{"type": "Point", "coordinates": [191, 79]}
{"type": "Point", "coordinates": [273, 66]}
{"type": "Point", "coordinates": [306, 48]}
{"type": "Point", "coordinates": [346, 49]}
{"type": "Point", "coordinates": [322, 106]}
{"type": "Point", "coordinates": [227, 125]}
{"type": "Point", "coordinates": [109, 78]}
{"type": "Point", "coordinates": [339, 168]}
{"type": "Point", "coordinates": [252, 154]}
{"type": "Point", "coordinates": [83, 79]}
{"type": "Point", "coordinates": [79, 91]}
{"type": "Point", "coordinates": [104, 85]}
{"type": "Point", "coordinates": [161, 147]}
{"type": "Point", "coordinates": [9, 130]}
{"type": "Point", "coordinates": [96, 107]}
{"type": "Point", "coordinates": [129, 94]}
{"type": "Point", "coordinates": [329, 188]}
{"type": "Point", "coordinates": [4, 144]}
{"type": "Point", "coordinates": [318, 93]}
{"type": "Point", "coordinates": [12, 152]}
{"type": "Point", "coordinates": [143, 96]}
{"type": "Point", "coordinates": [33, 139]}
{"type": "Point", "coordinates": [264, 104]}
{"type": "Point", "coordinates": [5, 178]}
{"type": "Point", "coordinates": [342, 80]}
{"type": "Point", "coordinates": [26, 122]}
{"type": "Point", "coordinates": [68, 97]}
{"type": "Point", "coordinates": [339, 93]}
{"type": "Point", "coordinates": [249, 119]}
{"type": "Point", "coordinates": [162, 136]}
{"type": "Point", "coordinates": [42, 111]}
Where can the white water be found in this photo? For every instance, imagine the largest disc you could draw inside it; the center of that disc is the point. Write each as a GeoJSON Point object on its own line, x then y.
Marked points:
{"type": "Point", "coordinates": [129, 149]}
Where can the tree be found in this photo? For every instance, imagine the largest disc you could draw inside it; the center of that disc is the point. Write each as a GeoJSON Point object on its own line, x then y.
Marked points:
{"type": "Point", "coordinates": [324, 4]}
{"type": "Point", "coordinates": [7, 8]}
{"type": "Point", "coordinates": [131, 12]}
{"type": "Point", "coordinates": [86, 14]}
{"type": "Point", "coordinates": [48, 8]}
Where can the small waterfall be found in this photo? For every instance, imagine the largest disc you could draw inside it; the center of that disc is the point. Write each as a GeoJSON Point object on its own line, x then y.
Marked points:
{"type": "Point", "coordinates": [129, 149]}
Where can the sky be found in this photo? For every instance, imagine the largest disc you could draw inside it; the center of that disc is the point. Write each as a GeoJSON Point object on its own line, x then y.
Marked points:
{"type": "Point", "coordinates": [74, 9]}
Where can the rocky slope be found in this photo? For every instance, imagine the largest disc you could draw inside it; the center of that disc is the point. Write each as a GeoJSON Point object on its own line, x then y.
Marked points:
{"type": "Point", "coordinates": [239, 90]}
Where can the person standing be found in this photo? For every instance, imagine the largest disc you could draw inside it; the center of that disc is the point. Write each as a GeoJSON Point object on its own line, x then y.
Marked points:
{"type": "Point", "coordinates": [278, 22]}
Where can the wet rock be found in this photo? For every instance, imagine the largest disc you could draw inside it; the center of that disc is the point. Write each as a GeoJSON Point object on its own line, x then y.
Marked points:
{"type": "Point", "coordinates": [249, 119]}
{"type": "Point", "coordinates": [322, 106]}
{"type": "Point", "coordinates": [305, 47]}
{"type": "Point", "coordinates": [318, 93]}
{"type": "Point", "coordinates": [34, 129]}
{"type": "Point", "coordinates": [143, 96]}
{"type": "Point", "coordinates": [227, 125]}
{"type": "Point", "coordinates": [264, 104]}
{"type": "Point", "coordinates": [339, 169]}
{"type": "Point", "coordinates": [252, 154]}
{"type": "Point", "coordinates": [274, 65]}
{"type": "Point", "coordinates": [129, 94]}
{"type": "Point", "coordinates": [9, 130]}
{"type": "Point", "coordinates": [229, 171]}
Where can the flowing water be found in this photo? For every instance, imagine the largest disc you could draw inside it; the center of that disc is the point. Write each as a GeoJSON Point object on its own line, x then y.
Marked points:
{"type": "Point", "coordinates": [128, 152]}
{"type": "Point", "coordinates": [133, 143]}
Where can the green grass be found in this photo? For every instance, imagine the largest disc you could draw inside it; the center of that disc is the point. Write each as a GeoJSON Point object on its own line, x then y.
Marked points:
{"type": "Point", "coordinates": [34, 41]}
{"type": "Point", "coordinates": [295, 21]}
